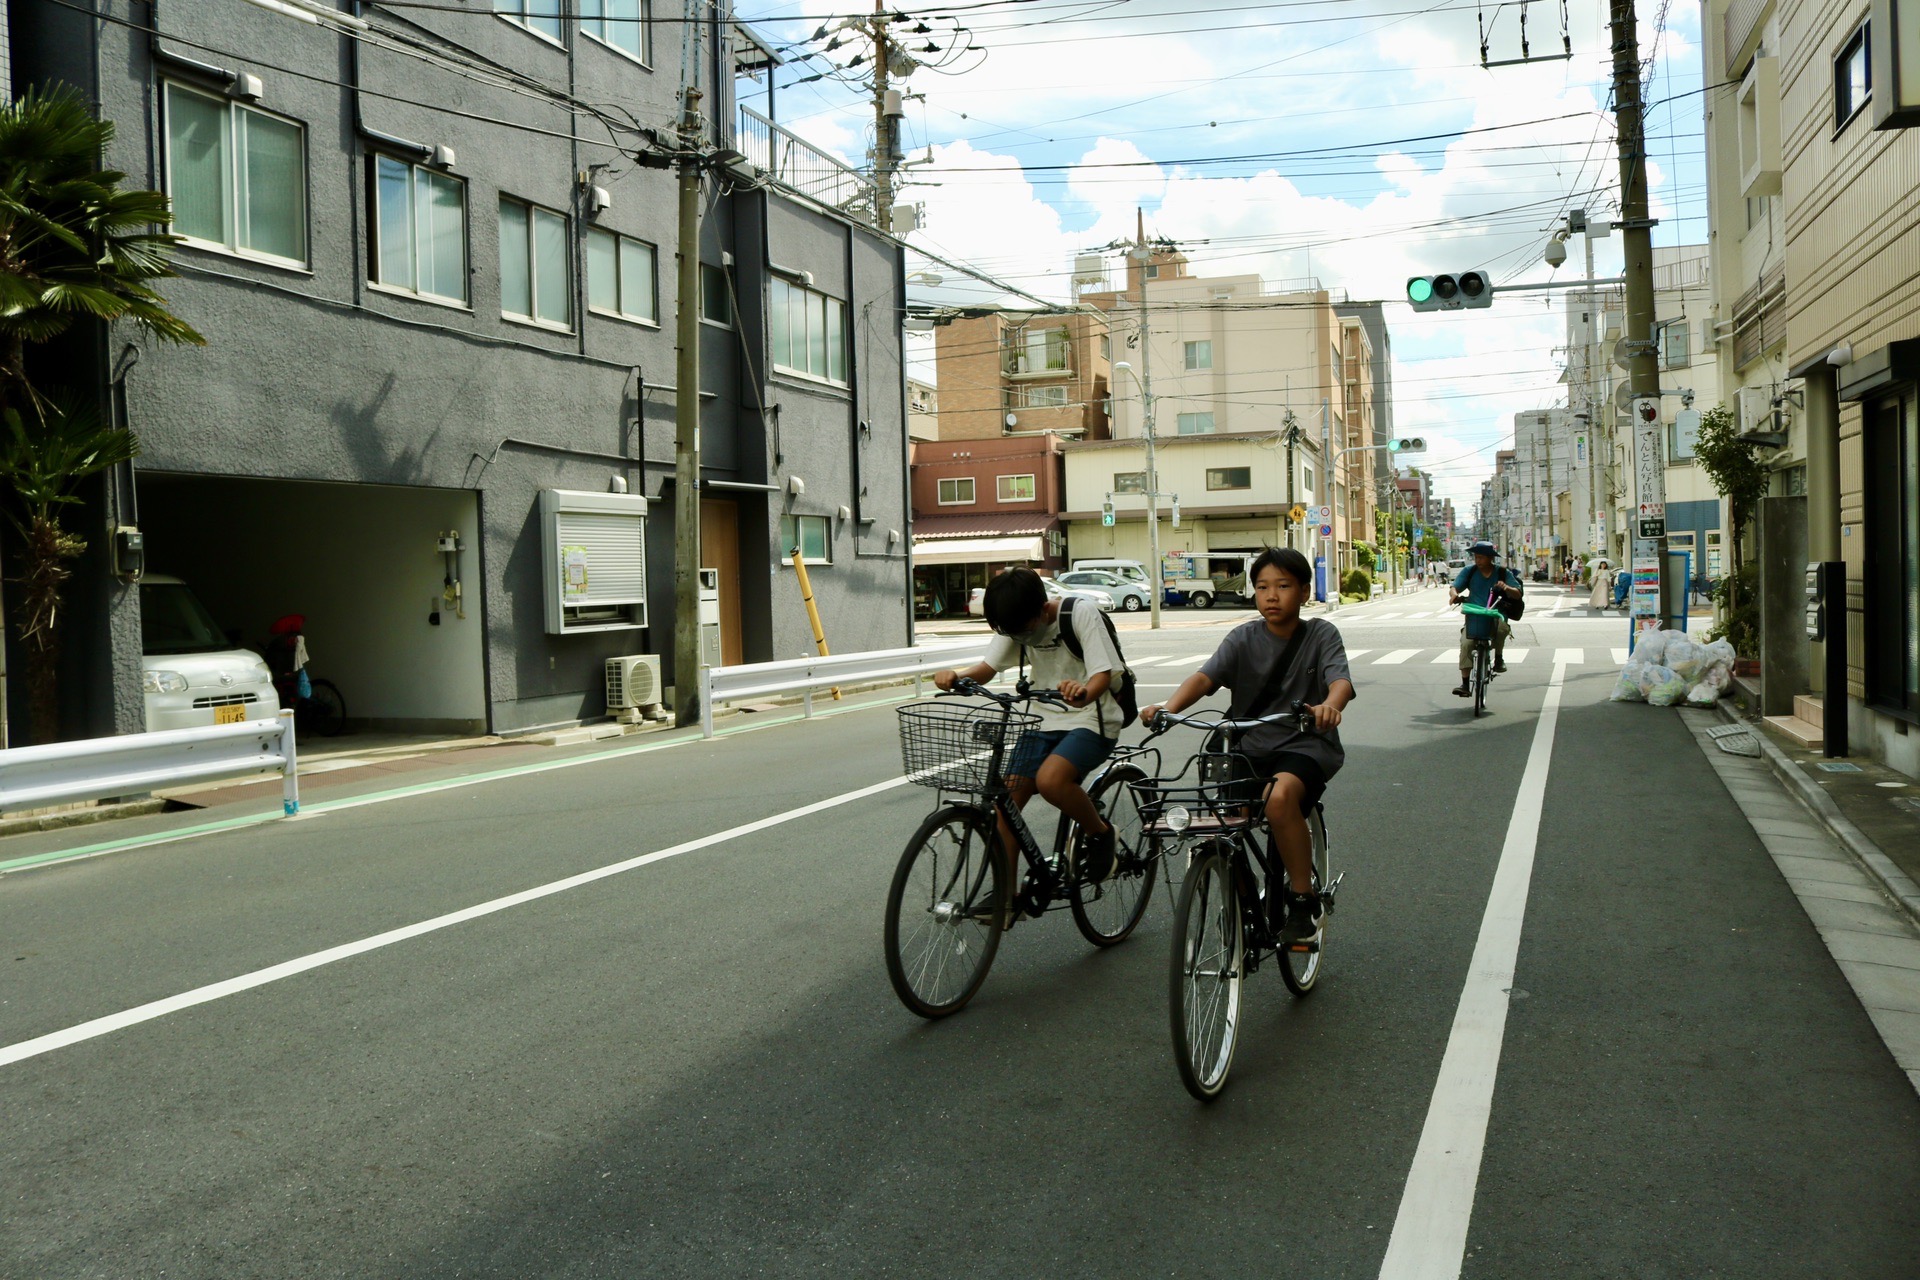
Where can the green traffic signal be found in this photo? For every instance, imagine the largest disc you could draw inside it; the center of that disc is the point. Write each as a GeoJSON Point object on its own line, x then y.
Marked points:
{"type": "Point", "coordinates": [1419, 289]}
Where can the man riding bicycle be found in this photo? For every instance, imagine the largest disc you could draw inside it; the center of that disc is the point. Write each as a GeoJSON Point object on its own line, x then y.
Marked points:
{"type": "Point", "coordinates": [1483, 583]}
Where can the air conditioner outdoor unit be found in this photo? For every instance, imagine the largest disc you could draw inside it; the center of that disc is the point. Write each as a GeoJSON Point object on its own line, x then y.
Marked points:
{"type": "Point", "coordinates": [633, 685]}
{"type": "Point", "coordinates": [1762, 420]}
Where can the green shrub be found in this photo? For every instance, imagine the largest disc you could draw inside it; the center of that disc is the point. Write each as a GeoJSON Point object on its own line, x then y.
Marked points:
{"type": "Point", "coordinates": [1363, 555]}
{"type": "Point", "coordinates": [1356, 583]}
{"type": "Point", "coordinates": [1738, 595]}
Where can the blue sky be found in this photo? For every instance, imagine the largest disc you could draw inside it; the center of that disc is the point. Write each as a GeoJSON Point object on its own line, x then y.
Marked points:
{"type": "Point", "coordinates": [1295, 138]}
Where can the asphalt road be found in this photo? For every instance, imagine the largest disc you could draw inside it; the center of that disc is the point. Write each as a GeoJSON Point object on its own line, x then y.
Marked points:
{"type": "Point", "coordinates": [695, 1066]}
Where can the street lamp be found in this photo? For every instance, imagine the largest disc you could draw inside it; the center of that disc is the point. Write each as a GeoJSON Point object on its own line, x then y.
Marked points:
{"type": "Point", "coordinates": [1153, 494]}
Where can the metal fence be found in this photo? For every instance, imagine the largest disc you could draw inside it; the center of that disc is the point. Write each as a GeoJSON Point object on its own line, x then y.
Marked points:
{"type": "Point", "coordinates": [806, 675]}
{"type": "Point", "coordinates": [134, 764]}
{"type": "Point", "coordinates": [801, 166]}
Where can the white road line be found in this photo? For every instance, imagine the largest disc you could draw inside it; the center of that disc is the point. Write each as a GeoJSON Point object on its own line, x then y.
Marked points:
{"type": "Point", "coordinates": [1570, 657]}
{"type": "Point", "coordinates": [1430, 1233]}
{"type": "Point", "coordinates": [1397, 656]}
{"type": "Point", "coordinates": [1620, 656]}
{"type": "Point", "coordinates": [1357, 653]}
{"type": "Point", "coordinates": [1516, 655]}
{"type": "Point", "coordinates": [1424, 613]}
{"type": "Point", "coordinates": [261, 977]}
{"type": "Point", "coordinates": [1380, 617]}
{"type": "Point", "coordinates": [1446, 655]}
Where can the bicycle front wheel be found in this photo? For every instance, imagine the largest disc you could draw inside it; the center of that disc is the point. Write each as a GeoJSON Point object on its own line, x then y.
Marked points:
{"type": "Point", "coordinates": [1208, 964]}
{"type": "Point", "coordinates": [1479, 679]}
{"type": "Point", "coordinates": [944, 911]}
{"type": "Point", "coordinates": [1301, 969]}
{"type": "Point", "coordinates": [1108, 912]}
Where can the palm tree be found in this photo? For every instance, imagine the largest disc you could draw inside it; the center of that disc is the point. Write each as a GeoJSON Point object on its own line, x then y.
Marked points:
{"type": "Point", "coordinates": [74, 247]}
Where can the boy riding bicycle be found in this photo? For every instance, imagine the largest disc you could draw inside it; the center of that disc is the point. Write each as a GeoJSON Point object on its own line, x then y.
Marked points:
{"type": "Point", "coordinates": [1069, 744]}
{"type": "Point", "coordinates": [1270, 664]}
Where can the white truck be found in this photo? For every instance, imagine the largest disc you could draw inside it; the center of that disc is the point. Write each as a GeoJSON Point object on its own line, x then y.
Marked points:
{"type": "Point", "coordinates": [1211, 576]}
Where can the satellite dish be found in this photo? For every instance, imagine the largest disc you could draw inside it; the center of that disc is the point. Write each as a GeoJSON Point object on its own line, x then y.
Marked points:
{"type": "Point", "coordinates": [1013, 419]}
{"type": "Point", "coordinates": [1620, 358]}
{"type": "Point", "coordinates": [1623, 397]}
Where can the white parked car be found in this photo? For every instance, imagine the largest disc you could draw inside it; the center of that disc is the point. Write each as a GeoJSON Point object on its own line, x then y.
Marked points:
{"type": "Point", "coordinates": [976, 606]}
{"type": "Point", "coordinates": [1130, 596]}
{"type": "Point", "coordinates": [191, 673]}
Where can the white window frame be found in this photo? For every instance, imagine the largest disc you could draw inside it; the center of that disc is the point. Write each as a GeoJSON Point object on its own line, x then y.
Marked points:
{"type": "Point", "coordinates": [1198, 354]}
{"type": "Point", "coordinates": [1042, 397]}
{"type": "Point", "coordinates": [940, 490]}
{"type": "Point", "coordinates": [645, 56]}
{"type": "Point", "coordinates": [517, 12]}
{"type": "Point", "coordinates": [411, 288]}
{"type": "Point", "coordinates": [813, 304]}
{"type": "Point", "coordinates": [1183, 420]}
{"type": "Point", "coordinates": [800, 523]}
{"type": "Point", "coordinates": [1000, 489]}
{"type": "Point", "coordinates": [230, 184]}
{"type": "Point", "coordinates": [1857, 41]}
{"type": "Point", "coordinates": [533, 212]}
{"type": "Point", "coordinates": [620, 280]}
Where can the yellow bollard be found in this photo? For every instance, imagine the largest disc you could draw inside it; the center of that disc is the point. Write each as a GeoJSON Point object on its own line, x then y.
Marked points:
{"type": "Point", "coordinates": [813, 613]}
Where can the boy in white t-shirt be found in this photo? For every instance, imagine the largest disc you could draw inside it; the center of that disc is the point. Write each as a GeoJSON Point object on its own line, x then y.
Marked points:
{"type": "Point", "coordinates": [1071, 742]}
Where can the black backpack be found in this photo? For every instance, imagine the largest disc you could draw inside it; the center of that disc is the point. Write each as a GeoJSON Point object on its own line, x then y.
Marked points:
{"type": "Point", "coordinates": [1512, 606]}
{"type": "Point", "coordinates": [1122, 688]}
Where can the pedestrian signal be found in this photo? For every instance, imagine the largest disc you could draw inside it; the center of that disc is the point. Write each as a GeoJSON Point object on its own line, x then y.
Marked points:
{"type": "Point", "coordinates": [1106, 513]}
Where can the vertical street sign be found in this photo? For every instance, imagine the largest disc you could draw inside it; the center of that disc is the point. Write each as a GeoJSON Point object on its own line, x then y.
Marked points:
{"type": "Point", "coordinates": [1650, 492]}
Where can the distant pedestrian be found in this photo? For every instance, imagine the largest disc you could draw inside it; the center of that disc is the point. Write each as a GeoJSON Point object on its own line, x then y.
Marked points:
{"type": "Point", "coordinates": [1602, 584]}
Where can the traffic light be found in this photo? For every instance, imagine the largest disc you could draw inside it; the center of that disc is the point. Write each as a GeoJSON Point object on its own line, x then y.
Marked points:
{"type": "Point", "coordinates": [1451, 292]}
{"type": "Point", "coordinates": [1106, 513]}
{"type": "Point", "coordinates": [1410, 444]}
{"type": "Point", "coordinates": [1176, 512]}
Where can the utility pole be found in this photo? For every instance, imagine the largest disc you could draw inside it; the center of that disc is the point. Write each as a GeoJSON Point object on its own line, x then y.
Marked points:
{"type": "Point", "coordinates": [1597, 539]}
{"type": "Point", "coordinates": [1292, 425]}
{"type": "Point", "coordinates": [1643, 370]}
{"type": "Point", "coordinates": [883, 144]}
{"type": "Point", "coordinates": [686, 436]}
{"type": "Point", "coordinates": [1142, 255]}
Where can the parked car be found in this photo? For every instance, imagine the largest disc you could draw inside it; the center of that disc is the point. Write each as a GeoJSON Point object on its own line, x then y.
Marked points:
{"type": "Point", "coordinates": [976, 598]}
{"type": "Point", "coordinates": [1130, 596]}
{"type": "Point", "coordinates": [191, 673]}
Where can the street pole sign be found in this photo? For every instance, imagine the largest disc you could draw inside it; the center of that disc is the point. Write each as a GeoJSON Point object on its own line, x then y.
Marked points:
{"type": "Point", "coordinates": [1650, 492]}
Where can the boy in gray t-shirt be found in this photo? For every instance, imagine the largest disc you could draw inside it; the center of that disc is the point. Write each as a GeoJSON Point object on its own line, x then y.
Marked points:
{"type": "Point", "coordinates": [1249, 662]}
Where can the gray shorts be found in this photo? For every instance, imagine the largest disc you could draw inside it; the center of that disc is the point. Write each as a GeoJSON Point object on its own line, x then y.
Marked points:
{"type": "Point", "coordinates": [1500, 635]}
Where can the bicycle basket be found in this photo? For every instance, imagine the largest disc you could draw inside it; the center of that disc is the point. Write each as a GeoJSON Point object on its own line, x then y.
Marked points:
{"type": "Point", "coordinates": [950, 746]}
{"type": "Point", "coordinates": [1481, 623]}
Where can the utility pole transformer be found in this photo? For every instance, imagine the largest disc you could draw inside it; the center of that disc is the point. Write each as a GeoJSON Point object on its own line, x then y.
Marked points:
{"type": "Point", "coordinates": [885, 110]}
{"type": "Point", "coordinates": [686, 436]}
{"type": "Point", "coordinates": [1643, 369]}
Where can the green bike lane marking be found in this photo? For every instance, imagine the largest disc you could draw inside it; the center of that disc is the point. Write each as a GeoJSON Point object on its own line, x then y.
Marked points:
{"type": "Point", "coordinates": [417, 789]}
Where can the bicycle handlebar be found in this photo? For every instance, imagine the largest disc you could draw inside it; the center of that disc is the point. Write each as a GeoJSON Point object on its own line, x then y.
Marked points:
{"type": "Point", "coordinates": [1023, 692]}
{"type": "Point", "coordinates": [1300, 714]}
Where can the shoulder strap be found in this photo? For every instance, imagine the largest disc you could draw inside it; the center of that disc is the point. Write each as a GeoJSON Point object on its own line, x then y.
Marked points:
{"type": "Point", "coordinates": [1067, 636]}
{"type": "Point", "coordinates": [1286, 658]}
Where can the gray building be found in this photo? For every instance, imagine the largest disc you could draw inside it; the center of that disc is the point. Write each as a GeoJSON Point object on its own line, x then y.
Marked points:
{"type": "Point", "coordinates": [435, 411]}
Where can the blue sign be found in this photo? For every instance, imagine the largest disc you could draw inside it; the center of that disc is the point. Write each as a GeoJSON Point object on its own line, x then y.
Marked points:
{"type": "Point", "coordinates": [1320, 578]}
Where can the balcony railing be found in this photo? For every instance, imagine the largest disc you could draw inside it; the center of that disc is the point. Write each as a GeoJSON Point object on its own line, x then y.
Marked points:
{"type": "Point", "coordinates": [800, 166]}
{"type": "Point", "coordinates": [1760, 319]}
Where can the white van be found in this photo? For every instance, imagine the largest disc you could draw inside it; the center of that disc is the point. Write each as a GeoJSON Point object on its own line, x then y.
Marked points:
{"type": "Point", "coordinates": [1131, 570]}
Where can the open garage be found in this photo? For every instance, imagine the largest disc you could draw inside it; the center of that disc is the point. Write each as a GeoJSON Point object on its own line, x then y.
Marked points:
{"type": "Point", "coordinates": [392, 619]}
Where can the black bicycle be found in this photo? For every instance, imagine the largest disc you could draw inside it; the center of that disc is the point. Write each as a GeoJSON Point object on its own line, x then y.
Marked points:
{"type": "Point", "coordinates": [1222, 929]}
{"type": "Point", "coordinates": [1480, 675]}
{"type": "Point", "coordinates": [951, 895]}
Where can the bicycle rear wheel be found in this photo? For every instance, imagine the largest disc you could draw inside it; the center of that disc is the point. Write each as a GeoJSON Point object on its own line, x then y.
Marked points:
{"type": "Point", "coordinates": [1106, 913]}
{"type": "Point", "coordinates": [1208, 965]}
{"type": "Point", "coordinates": [323, 713]}
{"type": "Point", "coordinates": [1301, 969]}
{"type": "Point", "coordinates": [1479, 679]}
{"type": "Point", "coordinates": [944, 911]}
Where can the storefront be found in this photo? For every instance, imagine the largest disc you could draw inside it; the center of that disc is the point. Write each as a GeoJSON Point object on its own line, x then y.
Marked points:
{"type": "Point", "coordinates": [952, 555]}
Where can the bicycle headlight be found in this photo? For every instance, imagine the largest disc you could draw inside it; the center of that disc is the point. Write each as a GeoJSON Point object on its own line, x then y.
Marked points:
{"type": "Point", "coordinates": [163, 682]}
{"type": "Point", "coordinates": [1178, 819]}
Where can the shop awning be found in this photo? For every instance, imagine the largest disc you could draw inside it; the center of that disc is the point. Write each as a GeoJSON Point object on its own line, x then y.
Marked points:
{"type": "Point", "coordinates": [979, 550]}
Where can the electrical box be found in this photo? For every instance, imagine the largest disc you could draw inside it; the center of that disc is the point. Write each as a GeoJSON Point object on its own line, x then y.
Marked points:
{"type": "Point", "coordinates": [129, 553]}
{"type": "Point", "coordinates": [1816, 604]}
{"type": "Point", "coordinates": [710, 618]}
{"type": "Point", "coordinates": [594, 546]}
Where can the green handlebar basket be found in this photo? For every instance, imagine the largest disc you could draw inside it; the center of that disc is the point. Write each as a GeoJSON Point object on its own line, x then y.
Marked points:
{"type": "Point", "coordinates": [1476, 628]}
{"type": "Point", "coordinates": [1468, 606]}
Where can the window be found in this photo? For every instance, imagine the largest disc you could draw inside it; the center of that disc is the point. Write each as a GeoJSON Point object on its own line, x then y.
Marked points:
{"type": "Point", "coordinates": [1016, 488]}
{"type": "Point", "coordinates": [811, 534]}
{"type": "Point", "coordinates": [1196, 424]}
{"type": "Point", "coordinates": [627, 25]}
{"type": "Point", "coordinates": [542, 17]}
{"type": "Point", "coordinates": [1199, 355]}
{"type": "Point", "coordinates": [1229, 477]}
{"type": "Point", "coordinates": [1129, 482]}
{"type": "Point", "coordinates": [237, 177]}
{"type": "Point", "coordinates": [1106, 346]}
{"type": "Point", "coordinates": [1306, 478]}
{"type": "Point", "coordinates": [809, 333]}
{"type": "Point", "coordinates": [533, 264]}
{"type": "Point", "coordinates": [1039, 351]}
{"type": "Point", "coordinates": [1039, 396]}
{"type": "Point", "coordinates": [956, 492]}
{"type": "Point", "coordinates": [420, 230]}
{"type": "Point", "coordinates": [1153, 271]}
{"type": "Point", "coordinates": [1891, 617]}
{"type": "Point", "coordinates": [1676, 346]}
{"type": "Point", "coordinates": [1852, 79]}
{"type": "Point", "coordinates": [1339, 500]}
{"type": "Point", "coordinates": [716, 295]}
{"type": "Point", "coordinates": [621, 276]}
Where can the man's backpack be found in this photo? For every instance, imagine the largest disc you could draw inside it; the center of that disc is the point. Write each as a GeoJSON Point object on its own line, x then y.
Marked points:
{"type": "Point", "coordinates": [1121, 686]}
{"type": "Point", "coordinates": [1511, 606]}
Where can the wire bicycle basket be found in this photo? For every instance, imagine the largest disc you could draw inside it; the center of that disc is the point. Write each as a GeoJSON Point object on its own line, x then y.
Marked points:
{"type": "Point", "coordinates": [953, 746]}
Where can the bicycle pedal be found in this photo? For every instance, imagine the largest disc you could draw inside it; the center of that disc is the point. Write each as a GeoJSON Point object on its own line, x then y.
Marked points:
{"type": "Point", "coordinates": [1304, 948]}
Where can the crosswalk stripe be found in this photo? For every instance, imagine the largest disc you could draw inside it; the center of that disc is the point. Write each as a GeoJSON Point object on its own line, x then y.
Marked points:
{"type": "Point", "coordinates": [1445, 655]}
{"type": "Point", "coordinates": [1425, 613]}
{"type": "Point", "coordinates": [1198, 657]}
{"type": "Point", "coordinates": [1516, 655]}
{"type": "Point", "coordinates": [1382, 617]}
{"type": "Point", "coordinates": [1570, 657]}
{"type": "Point", "coordinates": [1620, 656]}
{"type": "Point", "coordinates": [1357, 653]}
{"type": "Point", "coordinates": [1397, 656]}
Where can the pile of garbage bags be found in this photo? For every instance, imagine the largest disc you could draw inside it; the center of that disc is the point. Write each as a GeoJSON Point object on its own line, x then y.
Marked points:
{"type": "Point", "coordinates": [1668, 669]}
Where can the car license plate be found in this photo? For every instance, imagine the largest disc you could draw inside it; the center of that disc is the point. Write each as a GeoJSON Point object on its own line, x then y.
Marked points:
{"type": "Point", "coordinates": [234, 714]}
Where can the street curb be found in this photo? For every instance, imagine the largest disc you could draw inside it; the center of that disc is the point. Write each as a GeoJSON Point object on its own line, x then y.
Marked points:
{"type": "Point", "coordinates": [80, 817]}
{"type": "Point", "coordinates": [1896, 882]}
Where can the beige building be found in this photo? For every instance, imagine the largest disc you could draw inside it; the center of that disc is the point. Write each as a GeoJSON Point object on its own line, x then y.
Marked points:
{"type": "Point", "coordinates": [1262, 398]}
{"type": "Point", "coordinates": [1814, 203]}
{"type": "Point", "coordinates": [1022, 373]}
{"type": "Point", "coordinates": [923, 410]}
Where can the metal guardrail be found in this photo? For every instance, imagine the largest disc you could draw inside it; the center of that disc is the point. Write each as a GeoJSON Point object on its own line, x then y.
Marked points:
{"type": "Point", "coordinates": [136, 763]}
{"type": "Point", "coordinates": [805, 675]}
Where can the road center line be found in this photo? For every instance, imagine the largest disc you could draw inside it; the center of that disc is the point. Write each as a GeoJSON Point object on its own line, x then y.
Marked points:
{"type": "Point", "coordinates": [1430, 1232]}
{"type": "Point", "coordinates": [261, 977]}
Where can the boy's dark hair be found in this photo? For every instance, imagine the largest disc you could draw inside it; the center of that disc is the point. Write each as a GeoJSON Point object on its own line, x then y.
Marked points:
{"type": "Point", "coordinates": [1287, 560]}
{"type": "Point", "coordinates": [1013, 598]}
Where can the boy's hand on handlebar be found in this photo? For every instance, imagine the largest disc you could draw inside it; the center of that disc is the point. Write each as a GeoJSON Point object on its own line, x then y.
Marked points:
{"type": "Point", "coordinates": [944, 680]}
{"type": "Point", "coordinates": [1147, 714]}
{"type": "Point", "coordinates": [1325, 716]}
{"type": "Point", "coordinates": [1074, 692]}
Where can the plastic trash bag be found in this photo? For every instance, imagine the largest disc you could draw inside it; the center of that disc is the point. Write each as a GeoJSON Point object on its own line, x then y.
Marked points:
{"type": "Point", "coordinates": [1685, 658]}
{"type": "Point", "coordinates": [1651, 647]}
{"type": "Point", "coordinates": [1625, 690]}
{"type": "Point", "coordinates": [1664, 688]}
{"type": "Point", "coordinates": [1702, 694]}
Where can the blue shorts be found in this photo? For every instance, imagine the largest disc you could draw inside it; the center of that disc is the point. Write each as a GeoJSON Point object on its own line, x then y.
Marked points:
{"type": "Point", "coordinates": [1082, 748]}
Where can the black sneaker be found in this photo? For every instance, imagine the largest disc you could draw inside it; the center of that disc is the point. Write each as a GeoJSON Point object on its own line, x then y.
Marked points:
{"type": "Point", "coordinates": [1097, 855]}
{"type": "Point", "coordinates": [1305, 914]}
{"type": "Point", "coordinates": [1462, 690]}
{"type": "Point", "coordinates": [1500, 667]}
